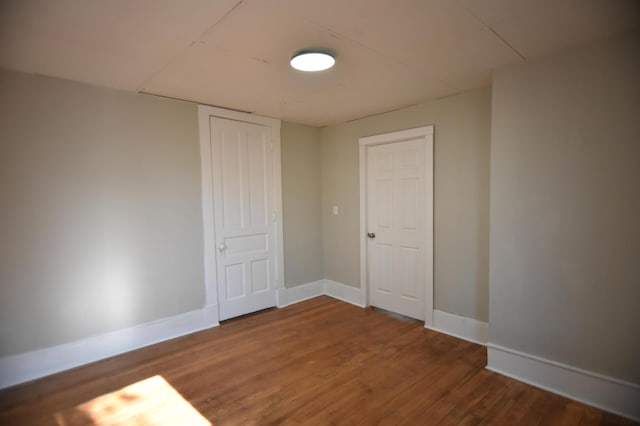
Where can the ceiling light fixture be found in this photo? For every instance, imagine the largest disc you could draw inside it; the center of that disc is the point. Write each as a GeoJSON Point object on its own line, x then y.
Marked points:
{"type": "Point", "coordinates": [312, 60]}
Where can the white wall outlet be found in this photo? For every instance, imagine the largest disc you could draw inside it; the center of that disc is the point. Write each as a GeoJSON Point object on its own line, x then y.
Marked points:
{"type": "Point", "coordinates": [335, 210]}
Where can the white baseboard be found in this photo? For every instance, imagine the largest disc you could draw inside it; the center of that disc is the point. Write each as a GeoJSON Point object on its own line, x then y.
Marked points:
{"type": "Point", "coordinates": [606, 393]}
{"type": "Point", "coordinates": [325, 287]}
{"type": "Point", "coordinates": [281, 297]}
{"type": "Point", "coordinates": [305, 291]}
{"type": "Point", "coordinates": [24, 367]}
{"type": "Point", "coordinates": [32, 365]}
{"type": "Point", "coordinates": [462, 327]}
{"type": "Point", "coordinates": [343, 292]}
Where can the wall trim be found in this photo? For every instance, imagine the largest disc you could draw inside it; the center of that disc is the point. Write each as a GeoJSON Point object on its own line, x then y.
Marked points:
{"type": "Point", "coordinates": [24, 367]}
{"type": "Point", "coordinates": [324, 287]}
{"type": "Point", "coordinates": [20, 368]}
{"type": "Point", "coordinates": [604, 392]}
{"type": "Point", "coordinates": [306, 291]}
{"type": "Point", "coordinates": [461, 327]}
{"type": "Point", "coordinates": [343, 292]}
{"type": "Point", "coordinates": [27, 366]}
{"type": "Point", "coordinates": [281, 297]}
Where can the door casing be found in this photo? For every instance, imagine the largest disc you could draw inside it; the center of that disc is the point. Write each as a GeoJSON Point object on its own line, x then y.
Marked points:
{"type": "Point", "coordinates": [426, 135]}
{"type": "Point", "coordinates": [210, 267]}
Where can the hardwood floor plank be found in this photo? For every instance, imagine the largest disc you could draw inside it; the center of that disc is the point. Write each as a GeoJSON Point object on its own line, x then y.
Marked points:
{"type": "Point", "coordinates": [318, 362]}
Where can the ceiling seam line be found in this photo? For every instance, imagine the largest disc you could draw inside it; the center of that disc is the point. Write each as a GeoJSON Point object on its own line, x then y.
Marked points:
{"type": "Point", "coordinates": [406, 66]}
{"type": "Point", "coordinates": [141, 87]}
{"type": "Point", "coordinates": [494, 32]}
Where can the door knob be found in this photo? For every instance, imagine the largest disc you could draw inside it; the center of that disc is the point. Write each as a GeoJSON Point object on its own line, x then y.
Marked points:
{"type": "Point", "coordinates": [371, 234]}
{"type": "Point", "coordinates": [222, 247]}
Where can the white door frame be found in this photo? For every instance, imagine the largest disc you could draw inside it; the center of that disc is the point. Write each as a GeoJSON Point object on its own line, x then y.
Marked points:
{"type": "Point", "coordinates": [211, 281]}
{"type": "Point", "coordinates": [426, 133]}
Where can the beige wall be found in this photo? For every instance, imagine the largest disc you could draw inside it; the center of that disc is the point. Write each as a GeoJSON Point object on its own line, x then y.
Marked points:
{"type": "Point", "coordinates": [101, 220]}
{"type": "Point", "coordinates": [301, 204]}
{"type": "Point", "coordinates": [565, 207]}
{"type": "Point", "coordinates": [461, 206]}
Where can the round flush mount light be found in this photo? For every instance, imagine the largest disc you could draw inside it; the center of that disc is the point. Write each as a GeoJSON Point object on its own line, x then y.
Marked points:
{"type": "Point", "coordinates": [312, 60]}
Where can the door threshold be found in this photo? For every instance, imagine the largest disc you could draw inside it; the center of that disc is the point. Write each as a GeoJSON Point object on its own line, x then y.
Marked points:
{"type": "Point", "coordinates": [397, 315]}
{"type": "Point", "coordinates": [248, 315]}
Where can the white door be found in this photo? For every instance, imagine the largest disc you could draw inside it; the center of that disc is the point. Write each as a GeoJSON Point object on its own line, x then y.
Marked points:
{"type": "Point", "coordinates": [243, 198]}
{"type": "Point", "coordinates": [396, 223]}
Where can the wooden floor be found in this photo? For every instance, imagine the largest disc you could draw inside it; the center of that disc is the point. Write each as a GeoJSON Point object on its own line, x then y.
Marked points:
{"type": "Point", "coordinates": [318, 362]}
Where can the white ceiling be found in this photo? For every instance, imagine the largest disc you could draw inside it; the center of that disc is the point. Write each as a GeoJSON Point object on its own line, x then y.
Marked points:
{"type": "Point", "coordinates": [235, 53]}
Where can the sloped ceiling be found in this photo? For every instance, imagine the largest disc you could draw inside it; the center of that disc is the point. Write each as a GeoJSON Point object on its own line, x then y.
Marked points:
{"type": "Point", "coordinates": [235, 53]}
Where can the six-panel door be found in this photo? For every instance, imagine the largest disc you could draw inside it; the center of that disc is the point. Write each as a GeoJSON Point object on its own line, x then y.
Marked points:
{"type": "Point", "coordinates": [396, 215]}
